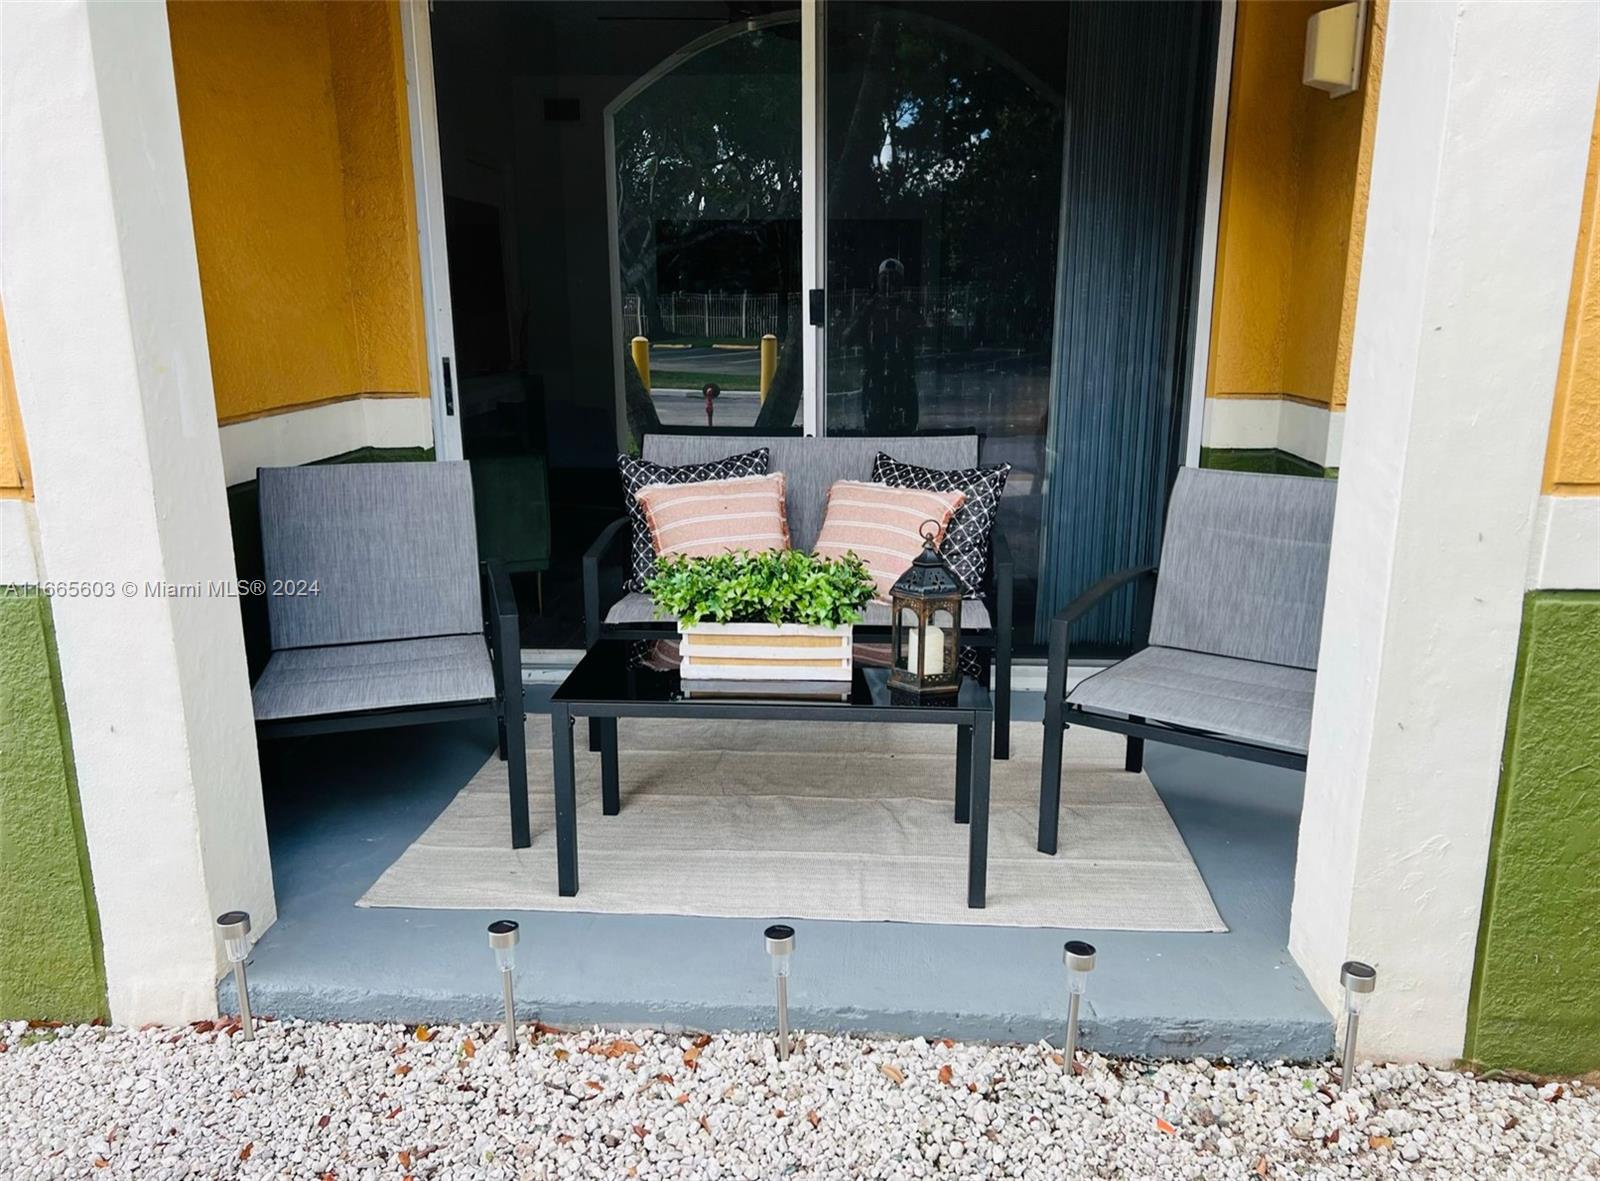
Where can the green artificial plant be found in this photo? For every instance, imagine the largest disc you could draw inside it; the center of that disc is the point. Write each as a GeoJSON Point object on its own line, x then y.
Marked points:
{"type": "Point", "coordinates": [779, 586]}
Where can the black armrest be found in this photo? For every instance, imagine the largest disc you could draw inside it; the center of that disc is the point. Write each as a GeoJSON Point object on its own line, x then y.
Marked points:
{"type": "Point", "coordinates": [500, 625]}
{"type": "Point", "coordinates": [598, 554]}
{"type": "Point", "coordinates": [1061, 625]}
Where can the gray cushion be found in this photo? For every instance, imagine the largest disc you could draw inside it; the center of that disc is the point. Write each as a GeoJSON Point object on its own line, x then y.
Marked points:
{"type": "Point", "coordinates": [1267, 704]}
{"type": "Point", "coordinates": [1244, 564]}
{"type": "Point", "coordinates": [638, 608]}
{"type": "Point", "coordinates": [391, 547]}
{"type": "Point", "coordinates": [811, 466]}
{"type": "Point", "coordinates": [307, 682]}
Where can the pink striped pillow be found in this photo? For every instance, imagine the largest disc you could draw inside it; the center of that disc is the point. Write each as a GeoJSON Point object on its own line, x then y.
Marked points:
{"type": "Point", "coordinates": [716, 516]}
{"type": "Point", "coordinates": [882, 525]}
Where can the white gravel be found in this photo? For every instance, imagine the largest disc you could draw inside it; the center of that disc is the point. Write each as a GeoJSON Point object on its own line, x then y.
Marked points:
{"type": "Point", "coordinates": [376, 1101]}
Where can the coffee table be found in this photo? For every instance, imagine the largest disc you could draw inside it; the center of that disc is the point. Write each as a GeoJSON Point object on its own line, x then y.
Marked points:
{"type": "Point", "coordinates": [614, 681]}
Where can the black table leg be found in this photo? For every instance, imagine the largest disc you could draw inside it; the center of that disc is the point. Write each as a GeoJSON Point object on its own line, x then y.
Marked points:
{"type": "Point", "coordinates": [978, 826]}
{"type": "Point", "coordinates": [514, 741]}
{"type": "Point", "coordinates": [963, 774]}
{"type": "Point", "coordinates": [610, 793]}
{"type": "Point", "coordinates": [566, 801]}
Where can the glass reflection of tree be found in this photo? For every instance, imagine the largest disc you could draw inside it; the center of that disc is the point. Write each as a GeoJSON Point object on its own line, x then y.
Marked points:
{"type": "Point", "coordinates": [947, 134]}
{"type": "Point", "coordinates": [714, 145]}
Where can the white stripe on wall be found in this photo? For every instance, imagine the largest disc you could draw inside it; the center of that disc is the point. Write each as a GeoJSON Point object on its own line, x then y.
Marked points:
{"type": "Point", "coordinates": [19, 559]}
{"type": "Point", "coordinates": [316, 432]}
{"type": "Point", "coordinates": [1566, 544]}
{"type": "Point", "coordinates": [1312, 433]}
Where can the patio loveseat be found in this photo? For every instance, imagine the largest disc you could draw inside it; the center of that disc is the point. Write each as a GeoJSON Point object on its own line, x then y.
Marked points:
{"type": "Point", "coordinates": [1227, 629]}
{"type": "Point", "coordinates": [810, 467]}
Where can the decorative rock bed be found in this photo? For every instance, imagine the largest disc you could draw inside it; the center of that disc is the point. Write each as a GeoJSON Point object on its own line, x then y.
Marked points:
{"type": "Point", "coordinates": [382, 1101]}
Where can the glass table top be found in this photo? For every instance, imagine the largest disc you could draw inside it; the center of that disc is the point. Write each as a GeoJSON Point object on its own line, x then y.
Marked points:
{"type": "Point", "coordinates": [646, 672]}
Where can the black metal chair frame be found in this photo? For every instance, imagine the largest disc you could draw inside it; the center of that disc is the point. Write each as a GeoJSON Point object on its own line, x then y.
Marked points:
{"type": "Point", "coordinates": [1059, 714]}
{"type": "Point", "coordinates": [610, 552]}
{"type": "Point", "coordinates": [506, 707]}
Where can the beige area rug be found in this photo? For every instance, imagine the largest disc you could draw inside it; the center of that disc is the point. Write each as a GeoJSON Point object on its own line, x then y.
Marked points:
{"type": "Point", "coordinates": [837, 821]}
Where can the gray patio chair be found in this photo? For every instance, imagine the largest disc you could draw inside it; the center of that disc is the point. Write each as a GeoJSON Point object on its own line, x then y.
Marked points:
{"type": "Point", "coordinates": [1232, 625]}
{"type": "Point", "coordinates": [380, 612]}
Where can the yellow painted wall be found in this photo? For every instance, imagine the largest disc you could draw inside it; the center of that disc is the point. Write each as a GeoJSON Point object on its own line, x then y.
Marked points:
{"type": "Point", "coordinates": [1572, 466]}
{"type": "Point", "coordinates": [1295, 175]}
{"type": "Point", "coordinates": [16, 481]}
{"type": "Point", "coordinates": [297, 146]}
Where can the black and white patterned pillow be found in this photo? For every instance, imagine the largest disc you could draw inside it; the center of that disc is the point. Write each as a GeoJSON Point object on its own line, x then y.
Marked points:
{"type": "Point", "coordinates": [966, 539]}
{"type": "Point", "coordinates": [639, 473]}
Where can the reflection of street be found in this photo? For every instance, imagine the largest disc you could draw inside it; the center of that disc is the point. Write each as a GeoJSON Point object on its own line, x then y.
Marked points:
{"type": "Point", "coordinates": [688, 408]}
{"type": "Point", "coordinates": [739, 362]}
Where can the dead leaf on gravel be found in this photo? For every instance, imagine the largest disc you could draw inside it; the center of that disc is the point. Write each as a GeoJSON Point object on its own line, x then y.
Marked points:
{"type": "Point", "coordinates": [946, 1074]}
{"type": "Point", "coordinates": [244, 1153]}
{"type": "Point", "coordinates": [705, 1124]}
{"type": "Point", "coordinates": [323, 1122]}
{"type": "Point", "coordinates": [691, 1057]}
{"type": "Point", "coordinates": [402, 1070]}
{"type": "Point", "coordinates": [1380, 1142]}
{"type": "Point", "coordinates": [892, 1072]}
{"type": "Point", "coordinates": [682, 1099]}
{"type": "Point", "coordinates": [424, 1034]}
{"type": "Point", "coordinates": [593, 1086]}
{"type": "Point", "coordinates": [702, 1041]}
{"type": "Point", "coordinates": [1163, 1126]}
{"type": "Point", "coordinates": [469, 1048]}
{"type": "Point", "coordinates": [1261, 1166]}
{"type": "Point", "coordinates": [562, 1055]}
{"type": "Point", "coordinates": [814, 1118]}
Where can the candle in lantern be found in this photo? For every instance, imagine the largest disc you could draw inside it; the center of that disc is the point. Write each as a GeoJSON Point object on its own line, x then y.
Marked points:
{"type": "Point", "coordinates": [935, 651]}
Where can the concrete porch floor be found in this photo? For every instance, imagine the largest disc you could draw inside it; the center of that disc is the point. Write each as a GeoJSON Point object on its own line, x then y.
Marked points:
{"type": "Point", "coordinates": [341, 808]}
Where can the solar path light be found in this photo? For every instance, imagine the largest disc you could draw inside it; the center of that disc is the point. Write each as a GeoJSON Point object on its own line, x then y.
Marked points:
{"type": "Point", "coordinates": [234, 928]}
{"type": "Point", "coordinates": [780, 946]}
{"type": "Point", "coordinates": [1359, 980]}
{"type": "Point", "coordinates": [1079, 958]}
{"type": "Point", "coordinates": [503, 940]}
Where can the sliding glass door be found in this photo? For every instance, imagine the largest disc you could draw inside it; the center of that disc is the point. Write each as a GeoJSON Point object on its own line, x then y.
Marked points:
{"type": "Point", "coordinates": [880, 217]}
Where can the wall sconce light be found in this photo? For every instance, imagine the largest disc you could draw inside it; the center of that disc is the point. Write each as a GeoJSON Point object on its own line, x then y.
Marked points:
{"type": "Point", "coordinates": [234, 928]}
{"type": "Point", "coordinates": [1079, 958]}
{"type": "Point", "coordinates": [1359, 980]}
{"type": "Point", "coordinates": [780, 946]}
{"type": "Point", "coordinates": [1334, 39]}
{"type": "Point", "coordinates": [503, 940]}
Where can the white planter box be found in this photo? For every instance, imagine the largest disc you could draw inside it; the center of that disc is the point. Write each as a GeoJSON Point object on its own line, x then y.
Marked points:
{"type": "Point", "coordinates": [764, 652]}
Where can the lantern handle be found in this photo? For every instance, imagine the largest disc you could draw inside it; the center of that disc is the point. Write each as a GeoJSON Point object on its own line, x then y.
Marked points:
{"type": "Point", "coordinates": [929, 531]}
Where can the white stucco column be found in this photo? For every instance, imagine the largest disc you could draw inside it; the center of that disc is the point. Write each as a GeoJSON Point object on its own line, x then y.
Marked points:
{"type": "Point", "coordinates": [102, 297]}
{"type": "Point", "coordinates": [1477, 178]}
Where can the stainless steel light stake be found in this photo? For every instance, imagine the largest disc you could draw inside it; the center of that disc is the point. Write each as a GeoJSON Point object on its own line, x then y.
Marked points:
{"type": "Point", "coordinates": [234, 928]}
{"type": "Point", "coordinates": [780, 946]}
{"type": "Point", "coordinates": [1359, 980]}
{"type": "Point", "coordinates": [503, 936]}
{"type": "Point", "coordinates": [1079, 958]}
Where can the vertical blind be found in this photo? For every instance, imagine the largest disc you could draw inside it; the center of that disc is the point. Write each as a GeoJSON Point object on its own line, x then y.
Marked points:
{"type": "Point", "coordinates": [1139, 85]}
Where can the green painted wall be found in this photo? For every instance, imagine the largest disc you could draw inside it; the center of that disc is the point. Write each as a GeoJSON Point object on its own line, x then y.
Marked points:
{"type": "Point", "coordinates": [1536, 989]}
{"type": "Point", "coordinates": [50, 957]}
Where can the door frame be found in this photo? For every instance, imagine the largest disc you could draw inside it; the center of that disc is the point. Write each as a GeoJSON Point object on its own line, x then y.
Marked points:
{"type": "Point", "coordinates": [1210, 242]}
{"type": "Point", "coordinates": [444, 392]}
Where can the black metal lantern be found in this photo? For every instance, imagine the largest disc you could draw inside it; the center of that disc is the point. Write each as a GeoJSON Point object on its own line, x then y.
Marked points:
{"type": "Point", "coordinates": [926, 607]}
